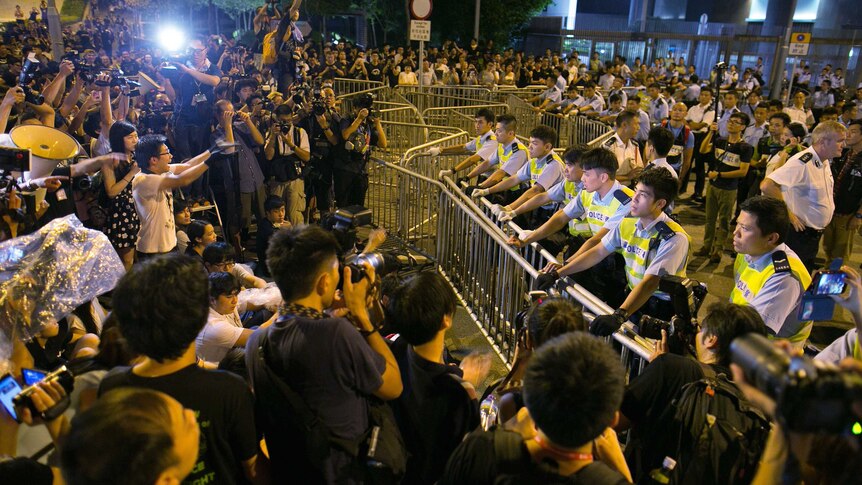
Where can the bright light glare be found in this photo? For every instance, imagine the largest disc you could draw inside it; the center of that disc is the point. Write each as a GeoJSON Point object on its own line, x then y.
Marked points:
{"type": "Point", "coordinates": [172, 39]}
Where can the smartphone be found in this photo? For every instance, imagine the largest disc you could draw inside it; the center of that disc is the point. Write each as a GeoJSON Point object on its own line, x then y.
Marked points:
{"type": "Point", "coordinates": [32, 376]}
{"type": "Point", "coordinates": [829, 282]}
{"type": "Point", "coordinates": [9, 388]}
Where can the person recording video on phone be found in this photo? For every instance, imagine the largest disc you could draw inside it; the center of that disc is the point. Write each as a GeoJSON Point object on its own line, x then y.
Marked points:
{"type": "Point", "coordinates": [768, 275]}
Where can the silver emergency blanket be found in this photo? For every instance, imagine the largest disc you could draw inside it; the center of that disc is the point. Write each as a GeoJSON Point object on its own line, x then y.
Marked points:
{"type": "Point", "coordinates": [47, 274]}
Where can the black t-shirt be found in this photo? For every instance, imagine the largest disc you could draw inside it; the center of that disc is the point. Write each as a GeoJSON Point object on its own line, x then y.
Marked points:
{"type": "Point", "coordinates": [848, 190]}
{"type": "Point", "coordinates": [375, 71]}
{"type": "Point", "coordinates": [186, 89]}
{"type": "Point", "coordinates": [434, 412]}
{"type": "Point", "coordinates": [265, 231]}
{"type": "Point", "coordinates": [728, 156]}
{"type": "Point", "coordinates": [355, 160]}
{"type": "Point", "coordinates": [647, 404]}
{"type": "Point", "coordinates": [475, 462]}
{"type": "Point", "coordinates": [225, 412]}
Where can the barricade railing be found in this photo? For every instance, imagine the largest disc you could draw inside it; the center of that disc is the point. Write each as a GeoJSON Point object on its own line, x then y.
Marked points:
{"type": "Point", "coordinates": [343, 86]}
{"type": "Point", "coordinates": [403, 136]}
{"type": "Point", "coordinates": [502, 92]}
{"type": "Point", "coordinates": [427, 99]}
{"type": "Point", "coordinates": [581, 129]}
{"type": "Point", "coordinates": [460, 117]}
{"type": "Point", "coordinates": [527, 117]}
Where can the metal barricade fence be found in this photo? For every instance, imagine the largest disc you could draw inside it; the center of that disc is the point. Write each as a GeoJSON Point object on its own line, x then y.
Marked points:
{"type": "Point", "coordinates": [460, 117]}
{"type": "Point", "coordinates": [527, 117]}
{"type": "Point", "coordinates": [581, 129]}
{"type": "Point", "coordinates": [502, 92]}
{"type": "Point", "coordinates": [344, 86]}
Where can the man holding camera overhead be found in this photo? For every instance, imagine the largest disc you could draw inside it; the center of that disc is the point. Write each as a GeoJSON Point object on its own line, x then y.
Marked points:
{"type": "Point", "coordinates": [360, 132]}
{"type": "Point", "coordinates": [321, 120]}
{"type": "Point", "coordinates": [287, 149]}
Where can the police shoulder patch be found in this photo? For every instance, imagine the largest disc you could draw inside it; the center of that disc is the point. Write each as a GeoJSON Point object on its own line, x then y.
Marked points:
{"type": "Point", "coordinates": [622, 197]}
{"type": "Point", "coordinates": [635, 142]}
{"type": "Point", "coordinates": [664, 231]}
{"type": "Point", "coordinates": [806, 157]}
{"type": "Point", "coordinates": [780, 262]}
{"type": "Point", "coordinates": [610, 142]}
{"type": "Point", "coordinates": [515, 147]}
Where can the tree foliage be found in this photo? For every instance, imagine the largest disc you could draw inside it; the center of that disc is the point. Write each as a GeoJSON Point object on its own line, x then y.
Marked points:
{"type": "Point", "coordinates": [501, 20]}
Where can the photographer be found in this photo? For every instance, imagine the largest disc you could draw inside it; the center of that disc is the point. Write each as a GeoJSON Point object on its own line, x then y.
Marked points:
{"type": "Point", "coordinates": [649, 396]}
{"type": "Point", "coordinates": [191, 91]}
{"type": "Point", "coordinates": [336, 365]}
{"type": "Point", "coordinates": [288, 151]}
{"type": "Point", "coordinates": [288, 44]}
{"type": "Point", "coordinates": [324, 135]}
{"type": "Point", "coordinates": [361, 131]}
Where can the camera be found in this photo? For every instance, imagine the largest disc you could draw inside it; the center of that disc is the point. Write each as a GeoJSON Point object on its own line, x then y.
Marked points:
{"type": "Point", "coordinates": [84, 183]}
{"type": "Point", "coordinates": [810, 396]}
{"type": "Point", "coordinates": [118, 79]}
{"type": "Point", "coordinates": [14, 159]}
{"type": "Point", "coordinates": [29, 71]}
{"type": "Point", "coordinates": [88, 72]}
{"type": "Point", "coordinates": [364, 101]}
{"type": "Point", "coordinates": [686, 296]}
{"type": "Point", "coordinates": [720, 66]}
{"type": "Point", "coordinates": [284, 127]}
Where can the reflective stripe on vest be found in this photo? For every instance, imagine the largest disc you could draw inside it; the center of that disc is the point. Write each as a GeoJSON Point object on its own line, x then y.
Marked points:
{"type": "Point", "coordinates": [636, 249]}
{"type": "Point", "coordinates": [857, 352]}
{"type": "Point", "coordinates": [597, 215]}
{"type": "Point", "coordinates": [536, 170]}
{"type": "Point", "coordinates": [503, 158]}
{"type": "Point", "coordinates": [749, 282]}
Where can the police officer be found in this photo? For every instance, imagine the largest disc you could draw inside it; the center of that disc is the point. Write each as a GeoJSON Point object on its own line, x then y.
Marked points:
{"type": "Point", "coordinates": [603, 204]}
{"type": "Point", "coordinates": [543, 171]}
{"type": "Point", "coordinates": [626, 149]}
{"type": "Point", "coordinates": [652, 245]}
{"type": "Point", "coordinates": [768, 275]}
{"type": "Point", "coordinates": [510, 156]}
{"type": "Point", "coordinates": [805, 184]}
{"type": "Point", "coordinates": [480, 148]}
{"type": "Point", "coordinates": [658, 109]}
{"type": "Point", "coordinates": [593, 103]}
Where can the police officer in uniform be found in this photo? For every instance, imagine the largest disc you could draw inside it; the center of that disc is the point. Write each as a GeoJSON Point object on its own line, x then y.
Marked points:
{"type": "Point", "coordinates": [480, 148]}
{"type": "Point", "coordinates": [603, 203]}
{"type": "Point", "coordinates": [543, 171]}
{"type": "Point", "coordinates": [658, 109]}
{"type": "Point", "coordinates": [510, 156]}
{"type": "Point", "coordinates": [805, 184]}
{"type": "Point", "coordinates": [768, 275]}
{"type": "Point", "coordinates": [623, 145]}
{"type": "Point", "coordinates": [652, 245]}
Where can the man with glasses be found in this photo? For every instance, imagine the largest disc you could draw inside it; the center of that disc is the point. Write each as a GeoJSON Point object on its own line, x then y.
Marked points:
{"type": "Point", "coordinates": [219, 257]}
{"type": "Point", "coordinates": [805, 183]}
{"type": "Point", "coordinates": [729, 164]}
{"type": "Point", "coordinates": [324, 136]}
{"type": "Point", "coordinates": [151, 189]}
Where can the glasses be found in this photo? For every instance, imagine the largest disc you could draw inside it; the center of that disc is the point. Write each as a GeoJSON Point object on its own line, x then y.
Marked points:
{"type": "Point", "coordinates": [736, 122]}
{"type": "Point", "coordinates": [165, 153]}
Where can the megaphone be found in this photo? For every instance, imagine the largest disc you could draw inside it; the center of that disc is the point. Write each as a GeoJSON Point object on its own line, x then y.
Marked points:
{"type": "Point", "coordinates": [148, 84]}
{"type": "Point", "coordinates": [47, 146]}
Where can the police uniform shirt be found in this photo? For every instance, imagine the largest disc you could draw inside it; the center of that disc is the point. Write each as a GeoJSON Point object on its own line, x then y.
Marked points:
{"type": "Point", "coordinates": [668, 259]}
{"type": "Point", "coordinates": [804, 78]}
{"type": "Point", "coordinates": [806, 184]}
{"type": "Point", "coordinates": [561, 83]}
{"type": "Point", "coordinates": [754, 133]}
{"type": "Point", "coordinates": [644, 127]}
{"type": "Point", "coordinates": [610, 112]}
{"type": "Point", "coordinates": [559, 194]}
{"type": "Point", "coordinates": [575, 208]}
{"type": "Point", "coordinates": [596, 103]}
{"type": "Point", "coordinates": [845, 346]}
{"type": "Point", "coordinates": [485, 146]}
{"type": "Point", "coordinates": [662, 163]}
{"type": "Point", "coordinates": [552, 94]}
{"type": "Point", "coordinates": [621, 93]}
{"type": "Point", "coordinates": [701, 114]}
{"type": "Point", "coordinates": [658, 109]}
{"type": "Point", "coordinates": [777, 300]}
{"type": "Point", "coordinates": [517, 157]}
{"type": "Point", "coordinates": [628, 155]}
{"type": "Point", "coordinates": [822, 99]}
{"type": "Point", "coordinates": [692, 92]}
{"type": "Point", "coordinates": [798, 115]}
{"type": "Point", "coordinates": [577, 101]}
{"type": "Point", "coordinates": [550, 171]}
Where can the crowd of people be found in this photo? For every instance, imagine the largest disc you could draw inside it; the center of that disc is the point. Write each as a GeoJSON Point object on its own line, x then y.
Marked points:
{"type": "Point", "coordinates": [301, 367]}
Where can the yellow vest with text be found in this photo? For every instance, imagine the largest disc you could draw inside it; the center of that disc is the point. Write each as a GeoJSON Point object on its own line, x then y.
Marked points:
{"type": "Point", "coordinates": [595, 214]}
{"type": "Point", "coordinates": [749, 282]}
{"type": "Point", "coordinates": [535, 170]}
{"type": "Point", "coordinates": [637, 250]}
{"type": "Point", "coordinates": [577, 227]}
{"type": "Point", "coordinates": [504, 158]}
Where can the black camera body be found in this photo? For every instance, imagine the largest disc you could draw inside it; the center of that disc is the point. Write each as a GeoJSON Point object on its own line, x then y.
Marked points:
{"type": "Point", "coordinates": [686, 296]}
{"type": "Point", "coordinates": [810, 396]}
{"type": "Point", "coordinates": [24, 399]}
{"type": "Point", "coordinates": [29, 71]}
{"type": "Point", "coordinates": [88, 72]}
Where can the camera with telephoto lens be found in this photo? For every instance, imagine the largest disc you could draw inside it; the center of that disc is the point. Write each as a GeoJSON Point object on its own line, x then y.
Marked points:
{"type": "Point", "coordinates": [24, 399]}
{"type": "Point", "coordinates": [87, 72]}
{"type": "Point", "coordinates": [810, 396]}
{"type": "Point", "coordinates": [118, 79]}
{"type": "Point", "coordinates": [686, 296]}
{"type": "Point", "coordinates": [29, 71]}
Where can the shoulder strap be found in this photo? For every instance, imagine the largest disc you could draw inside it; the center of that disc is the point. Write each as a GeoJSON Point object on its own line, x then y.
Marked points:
{"type": "Point", "coordinates": [780, 262]}
{"type": "Point", "coordinates": [622, 197]}
{"type": "Point", "coordinates": [597, 473]}
{"type": "Point", "coordinates": [708, 371]}
{"type": "Point", "coordinates": [806, 157]}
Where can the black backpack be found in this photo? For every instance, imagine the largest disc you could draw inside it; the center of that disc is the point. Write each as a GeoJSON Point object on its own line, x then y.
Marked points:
{"type": "Point", "coordinates": [516, 468]}
{"type": "Point", "coordinates": [721, 436]}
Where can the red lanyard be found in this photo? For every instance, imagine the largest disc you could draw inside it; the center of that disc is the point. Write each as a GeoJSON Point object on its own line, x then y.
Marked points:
{"type": "Point", "coordinates": [561, 454]}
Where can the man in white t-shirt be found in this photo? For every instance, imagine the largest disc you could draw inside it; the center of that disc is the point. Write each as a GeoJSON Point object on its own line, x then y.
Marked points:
{"type": "Point", "coordinates": [224, 329]}
{"type": "Point", "coordinates": [151, 189]}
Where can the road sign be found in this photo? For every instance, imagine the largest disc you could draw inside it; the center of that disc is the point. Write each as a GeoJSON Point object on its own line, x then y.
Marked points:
{"type": "Point", "coordinates": [421, 9]}
{"type": "Point", "coordinates": [420, 30]}
{"type": "Point", "coordinates": [799, 43]}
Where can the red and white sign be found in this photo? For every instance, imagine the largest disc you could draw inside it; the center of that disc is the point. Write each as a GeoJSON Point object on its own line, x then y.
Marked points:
{"type": "Point", "coordinates": [421, 9]}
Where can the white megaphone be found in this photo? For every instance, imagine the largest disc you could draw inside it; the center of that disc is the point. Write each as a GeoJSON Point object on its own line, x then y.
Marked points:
{"type": "Point", "coordinates": [48, 147]}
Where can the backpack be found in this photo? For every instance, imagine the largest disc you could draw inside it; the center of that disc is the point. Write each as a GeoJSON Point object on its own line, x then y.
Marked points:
{"type": "Point", "coordinates": [270, 53]}
{"type": "Point", "coordinates": [721, 435]}
{"type": "Point", "coordinates": [513, 467]}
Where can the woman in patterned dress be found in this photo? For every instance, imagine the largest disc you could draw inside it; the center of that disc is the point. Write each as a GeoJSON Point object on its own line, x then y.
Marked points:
{"type": "Point", "coordinates": [123, 223]}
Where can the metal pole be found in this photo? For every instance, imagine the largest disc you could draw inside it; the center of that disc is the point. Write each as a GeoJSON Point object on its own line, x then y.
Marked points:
{"type": "Point", "coordinates": [422, 63]}
{"type": "Point", "coordinates": [476, 20]}
{"type": "Point", "coordinates": [54, 31]}
{"type": "Point", "coordinates": [779, 64]}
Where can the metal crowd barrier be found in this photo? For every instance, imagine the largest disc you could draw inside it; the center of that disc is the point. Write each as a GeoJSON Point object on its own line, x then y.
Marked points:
{"type": "Point", "coordinates": [403, 136]}
{"type": "Point", "coordinates": [460, 117]}
{"type": "Point", "coordinates": [344, 86]}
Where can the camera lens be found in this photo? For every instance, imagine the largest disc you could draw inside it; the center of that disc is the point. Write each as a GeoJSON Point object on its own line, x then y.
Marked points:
{"type": "Point", "coordinates": [763, 364]}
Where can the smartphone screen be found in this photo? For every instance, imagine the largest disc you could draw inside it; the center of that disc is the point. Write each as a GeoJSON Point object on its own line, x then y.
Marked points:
{"type": "Point", "coordinates": [32, 376]}
{"type": "Point", "coordinates": [9, 388]}
{"type": "Point", "coordinates": [830, 284]}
